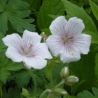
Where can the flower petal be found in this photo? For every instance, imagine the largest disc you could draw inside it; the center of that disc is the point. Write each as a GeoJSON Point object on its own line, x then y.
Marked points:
{"type": "Point", "coordinates": [74, 26]}
{"type": "Point", "coordinates": [31, 37]}
{"type": "Point", "coordinates": [83, 43]}
{"type": "Point", "coordinates": [69, 55]}
{"type": "Point", "coordinates": [54, 44]}
{"type": "Point", "coordinates": [58, 25]}
{"type": "Point", "coordinates": [42, 50]}
{"type": "Point", "coordinates": [36, 62]}
{"type": "Point", "coordinates": [12, 40]}
{"type": "Point", "coordinates": [13, 54]}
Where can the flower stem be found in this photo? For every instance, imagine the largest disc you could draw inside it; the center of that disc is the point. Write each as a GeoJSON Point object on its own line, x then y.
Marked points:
{"type": "Point", "coordinates": [34, 80]}
{"type": "Point", "coordinates": [44, 92]}
{"type": "Point", "coordinates": [60, 84]}
{"type": "Point", "coordinates": [0, 91]}
{"type": "Point", "coordinates": [48, 90]}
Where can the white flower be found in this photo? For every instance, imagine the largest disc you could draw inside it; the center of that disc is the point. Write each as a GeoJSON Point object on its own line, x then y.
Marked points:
{"type": "Point", "coordinates": [27, 49]}
{"type": "Point", "coordinates": [67, 39]}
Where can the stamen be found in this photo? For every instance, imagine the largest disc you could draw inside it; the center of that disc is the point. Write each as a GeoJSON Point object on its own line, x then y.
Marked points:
{"type": "Point", "coordinates": [26, 50]}
{"type": "Point", "coordinates": [67, 39]}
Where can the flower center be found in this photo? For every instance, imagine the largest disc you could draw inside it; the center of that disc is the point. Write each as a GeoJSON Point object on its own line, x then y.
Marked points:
{"type": "Point", "coordinates": [26, 50]}
{"type": "Point", "coordinates": [67, 39]}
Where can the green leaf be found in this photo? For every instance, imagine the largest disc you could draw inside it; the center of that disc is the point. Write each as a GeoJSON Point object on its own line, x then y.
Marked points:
{"type": "Point", "coordinates": [48, 8]}
{"type": "Point", "coordinates": [67, 96]}
{"type": "Point", "coordinates": [25, 93]}
{"type": "Point", "coordinates": [20, 24]}
{"type": "Point", "coordinates": [3, 23]}
{"type": "Point", "coordinates": [87, 94]}
{"type": "Point", "coordinates": [53, 69]}
{"type": "Point", "coordinates": [12, 93]}
{"type": "Point", "coordinates": [17, 14]}
{"type": "Point", "coordinates": [14, 67]}
{"type": "Point", "coordinates": [34, 4]}
{"type": "Point", "coordinates": [22, 78]}
{"type": "Point", "coordinates": [94, 8]}
{"type": "Point", "coordinates": [6, 67]}
{"type": "Point", "coordinates": [4, 74]}
{"type": "Point", "coordinates": [96, 67]}
{"type": "Point", "coordinates": [76, 11]}
{"type": "Point", "coordinates": [1, 43]}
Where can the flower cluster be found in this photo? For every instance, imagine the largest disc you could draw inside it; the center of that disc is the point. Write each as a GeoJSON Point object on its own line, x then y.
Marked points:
{"type": "Point", "coordinates": [67, 41]}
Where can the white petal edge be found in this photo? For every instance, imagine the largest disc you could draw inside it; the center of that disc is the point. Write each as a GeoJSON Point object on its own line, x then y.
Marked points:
{"type": "Point", "coordinates": [31, 37]}
{"type": "Point", "coordinates": [58, 25]}
{"type": "Point", "coordinates": [69, 56]}
{"type": "Point", "coordinates": [12, 40]}
{"type": "Point", "coordinates": [13, 54]}
{"type": "Point", "coordinates": [42, 51]}
{"type": "Point", "coordinates": [54, 44]}
{"type": "Point", "coordinates": [36, 63]}
{"type": "Point", "coordinates": [74, 26]}
{"type": "Point", "coordinates": [83, 43]}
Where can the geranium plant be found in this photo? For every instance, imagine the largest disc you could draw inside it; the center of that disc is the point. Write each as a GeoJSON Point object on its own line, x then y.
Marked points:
{"type": "Point", "coordinates": [48, 49]}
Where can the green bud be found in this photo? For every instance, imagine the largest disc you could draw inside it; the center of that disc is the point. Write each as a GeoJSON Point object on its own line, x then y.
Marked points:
{"type": "Point", "coordinates": [43, 33]}
{"type": "Point", "coordinates": [44, 37]}
{"type": "Point", "coordinates": [71, 80]}
{"type": "Point", "coordinates": [65, 72]}
{"type": "Point", "coordinates": [60, 91]}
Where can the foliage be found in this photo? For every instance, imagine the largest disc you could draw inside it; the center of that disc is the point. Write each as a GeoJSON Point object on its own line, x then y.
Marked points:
{"type": "Point", "coordinates": [15, 13]}
{"type": "Point", "coordinates": [48, 12]}
{"type": "Point", "coordinates": [94, 9]}
{"type": "Point", "coordinates": [87, 94]}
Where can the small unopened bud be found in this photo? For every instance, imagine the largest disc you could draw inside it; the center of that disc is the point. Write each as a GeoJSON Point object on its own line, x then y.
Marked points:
{"type": "Point", "coordinates": [60, 91]}
{"type": "Point", "coordinates": [43, 33]}
{"type": "Point", "coordinates": [44, 37]}
{"type": "Point", "coordinates": [71, 80]}
{"type": "Point", "coordinates": [65, 72]}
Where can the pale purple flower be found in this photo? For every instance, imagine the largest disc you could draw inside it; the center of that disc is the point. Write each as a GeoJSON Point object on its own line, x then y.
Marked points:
{"type": "Point", "coordinates": [67, 39]}
{"type": "Point", "coordinates": [27, 49]}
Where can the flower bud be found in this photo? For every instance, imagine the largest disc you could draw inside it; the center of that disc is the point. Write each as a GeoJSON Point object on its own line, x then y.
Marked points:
{"type": "Point", "coordinates": [64, 72]}
{"type": "Point", "coordinates": [71, 80]}
{"type": "Point", "coordinates": [60, 91]}
{"type": "Point", "coordinates": [44, 37]}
